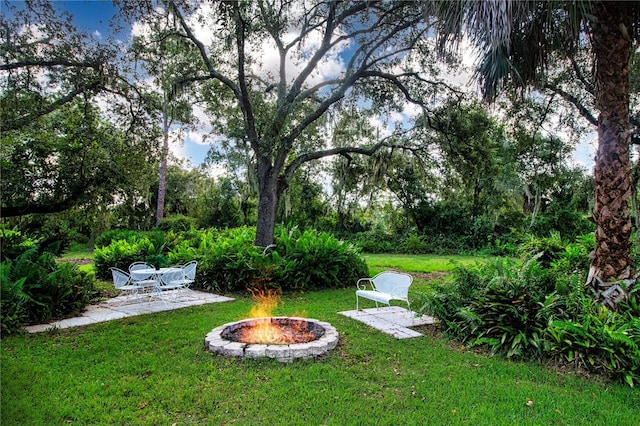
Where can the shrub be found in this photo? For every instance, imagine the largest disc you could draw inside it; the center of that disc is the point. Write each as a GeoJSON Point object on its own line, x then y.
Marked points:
{"type": "Point", "coordinates": [138, 246]}
{"type": "Point", "coordinates": [119, 254]}
{"type": "Point", "coordinates": [601, 341]}
{"type": "Point", "coordinates": [112, 235]}
{"type": "Point", "coordinates": [539, 310]}
{"type": "Point", "coordinates": [575, 256]}
{"type": "Point", "coordinates": [35, 289]}
{"type": "Point", "coordinates": [13, 243]}
{"type": "Point", "coordinates": [311, 260]}
{"type": "Point", "coordinates": [547, 249]}
{"type": "Point", "coordinates": [504, 304]}
{"type": "Point", "coordinates": [229, 260]}
{"type": "Point", "coordinates": [376, 241]}
{"type": "Point", "coordinates": [12, 304]}
{"type": "Point", "coordinates": [567, 222]}
{"type": "Point", "coordinates": [226, 259]}
{"type": "Point", "coordinates": [414, 244]}
{"type": "Point", "coordinates": [177, 223]}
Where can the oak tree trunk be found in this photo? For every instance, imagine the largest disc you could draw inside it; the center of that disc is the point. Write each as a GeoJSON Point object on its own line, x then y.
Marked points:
{"type": "Point", "coordinates": [268, 195]}
{"type": "Point", "coordinates": [612, 261]}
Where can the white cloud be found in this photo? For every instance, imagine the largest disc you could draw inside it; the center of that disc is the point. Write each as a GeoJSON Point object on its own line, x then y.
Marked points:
{"type": "Point", "coordinates": [268, 68]}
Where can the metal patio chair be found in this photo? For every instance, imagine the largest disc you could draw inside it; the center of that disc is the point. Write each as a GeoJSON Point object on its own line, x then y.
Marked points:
{"type": "Point", "coordinates": [122, 281]}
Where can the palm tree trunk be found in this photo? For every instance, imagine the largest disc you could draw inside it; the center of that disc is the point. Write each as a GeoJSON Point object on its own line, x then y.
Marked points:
{"type": "Point", "coordinates": [612, 260]}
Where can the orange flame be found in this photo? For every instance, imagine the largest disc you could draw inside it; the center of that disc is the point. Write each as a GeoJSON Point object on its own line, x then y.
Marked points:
{"type": "Point", "coordinates": [266, 331]}
{"type": "Point", "coordinates": [266, 302]}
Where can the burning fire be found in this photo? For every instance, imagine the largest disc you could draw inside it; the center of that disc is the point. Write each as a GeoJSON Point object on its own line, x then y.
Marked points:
{"type": "Point", "coordinates": [267, 331]}
{"type": "Point", "coordinates": [266, 302]}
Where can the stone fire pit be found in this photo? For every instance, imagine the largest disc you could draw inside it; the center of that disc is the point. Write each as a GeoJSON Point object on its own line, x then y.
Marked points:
{"type": "Point", "coordinates": [319, 338]}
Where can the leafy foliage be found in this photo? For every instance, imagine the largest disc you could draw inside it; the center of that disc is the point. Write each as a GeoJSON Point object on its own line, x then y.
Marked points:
{"type": "Point", "coordinates": [94, 160]}
{"type": "Point", "coordinates": [177, 223]}
{"type": "Point", "coordinates": [601, 340]}
{"type": "Point", "coordinates": [35, 288]}
{"type": "Point", "coordinates": [536, 308]}
{"type": "Point", "coordinates": [228, 260]}
{"type": "Point", "coordinates": [121, 253]}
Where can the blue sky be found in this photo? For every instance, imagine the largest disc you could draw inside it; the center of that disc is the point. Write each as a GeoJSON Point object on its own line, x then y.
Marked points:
{"type": "Point", "coordinates": [90, 15]}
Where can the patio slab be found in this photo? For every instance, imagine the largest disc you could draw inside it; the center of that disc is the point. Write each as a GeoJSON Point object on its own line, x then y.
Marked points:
{"type": "Point", "coordinates": [121, 307]}
{"type": "Point", "coordinates": [393, 320]}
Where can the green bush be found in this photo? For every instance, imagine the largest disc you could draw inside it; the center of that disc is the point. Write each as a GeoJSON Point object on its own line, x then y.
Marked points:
{"type": "Point", "coordinates": [414, 244]}
{"type": "Point", "coordinates": [567, 222]}
{"type": "Point", "coordinates": [177, 223]}
{"type": "Point", "coordinates": [376, 241]}
{"type": "Point", "coordinates": [13, 243]}
{"type": "Point", "coordinates": [36, 289]}
{"type": "Point", "coordinates": [547, 249]}
{"type": "Point", "coordinates": [504, 304]}
{"type": "Point", "coordinates": [311, 260]}
{"type": "Point", "coordinates": [533, 310]}
{"type": "Point", "coordinates": [112, 235]}
{"type": "Point", "coordinates": [228, 260]}
{"type": "Point", "coordinates": [119, 254]}
{"type": "Point", "coordinates": [139, 246]}
{"type": "Point", "coordinates": [601, 341]}
{"type": "Point", "coordinates": [12, 304]}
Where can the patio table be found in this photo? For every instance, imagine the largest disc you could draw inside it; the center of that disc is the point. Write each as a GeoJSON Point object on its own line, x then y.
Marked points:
{"type": "Point", "coordinates": [157, 275]}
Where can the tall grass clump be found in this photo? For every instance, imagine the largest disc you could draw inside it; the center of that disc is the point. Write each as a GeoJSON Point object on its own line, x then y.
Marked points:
{"type": "Point", "coordinates": [537, 308]}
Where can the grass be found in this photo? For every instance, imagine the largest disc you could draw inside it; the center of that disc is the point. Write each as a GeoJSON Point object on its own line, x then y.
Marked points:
{"type": "Point", "coordinates": [153, 369]}
{"type": "Point", "coordinates": [417, 263]}
{"type": "Point", "coordinates": [78, 251]}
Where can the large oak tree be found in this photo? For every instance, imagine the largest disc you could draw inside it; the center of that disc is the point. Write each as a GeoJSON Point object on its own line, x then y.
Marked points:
{"type": "Point", "coordinates": [277, 112]}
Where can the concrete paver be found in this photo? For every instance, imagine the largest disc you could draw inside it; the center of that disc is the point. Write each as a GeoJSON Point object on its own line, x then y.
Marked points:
{"type": "Point", "coordinates": [393, 320]}
{"type": "Point", "coordinates": [121, 307]}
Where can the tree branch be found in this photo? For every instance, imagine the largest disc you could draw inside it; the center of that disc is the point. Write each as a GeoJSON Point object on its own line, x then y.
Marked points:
{"type": "Point", "coordinates": [213, 74]}
{"type": "Point", "coordinates": [40, 112]}
{"type": "Point", "coordinates": [310, 156]}
{"type": "Point", "coordinates": [49, 63]}
{"type": "Point", "coordinates": [575, 101]}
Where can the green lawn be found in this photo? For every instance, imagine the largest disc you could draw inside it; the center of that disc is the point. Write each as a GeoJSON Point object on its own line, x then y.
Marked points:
{"type": "Point", "coordinates": [417, 263]}
{"type": "Point", "coordinates": [153, 370]}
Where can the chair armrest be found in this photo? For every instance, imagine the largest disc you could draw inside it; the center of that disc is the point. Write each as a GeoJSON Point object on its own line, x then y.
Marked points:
{"type": "Point", "coordinates": [362, 283]}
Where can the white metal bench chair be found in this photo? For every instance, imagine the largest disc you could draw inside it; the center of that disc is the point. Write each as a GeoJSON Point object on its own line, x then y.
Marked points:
{"type": "Point", "coordinates": [385, 287]}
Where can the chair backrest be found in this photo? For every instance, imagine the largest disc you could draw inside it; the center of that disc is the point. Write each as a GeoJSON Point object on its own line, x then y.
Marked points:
{"type": "Point", "coordinates": [170, 277]}
{"type": "Point", "coordinates": [394, 283]}
{"type": "Point", "coordinates": [120, 277]}
{"type": "Point", "coordinates": [190, 270]}
{"type": "Point", "coordinates": [134, 269]}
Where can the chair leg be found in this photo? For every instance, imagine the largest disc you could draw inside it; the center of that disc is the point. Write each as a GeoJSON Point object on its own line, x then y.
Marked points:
{"type": "Point", "coordinates": [410, 313]}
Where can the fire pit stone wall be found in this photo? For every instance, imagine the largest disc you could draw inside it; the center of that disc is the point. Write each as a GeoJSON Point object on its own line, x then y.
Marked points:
{"type": "Point", "coordinates": [282, 352]}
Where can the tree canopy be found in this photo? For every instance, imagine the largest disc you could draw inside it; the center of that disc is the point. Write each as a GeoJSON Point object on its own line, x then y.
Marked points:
{"type": "Point", "coordinates": [325, 55]}
{"type": "Point", "coordinates": [516, 41]}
